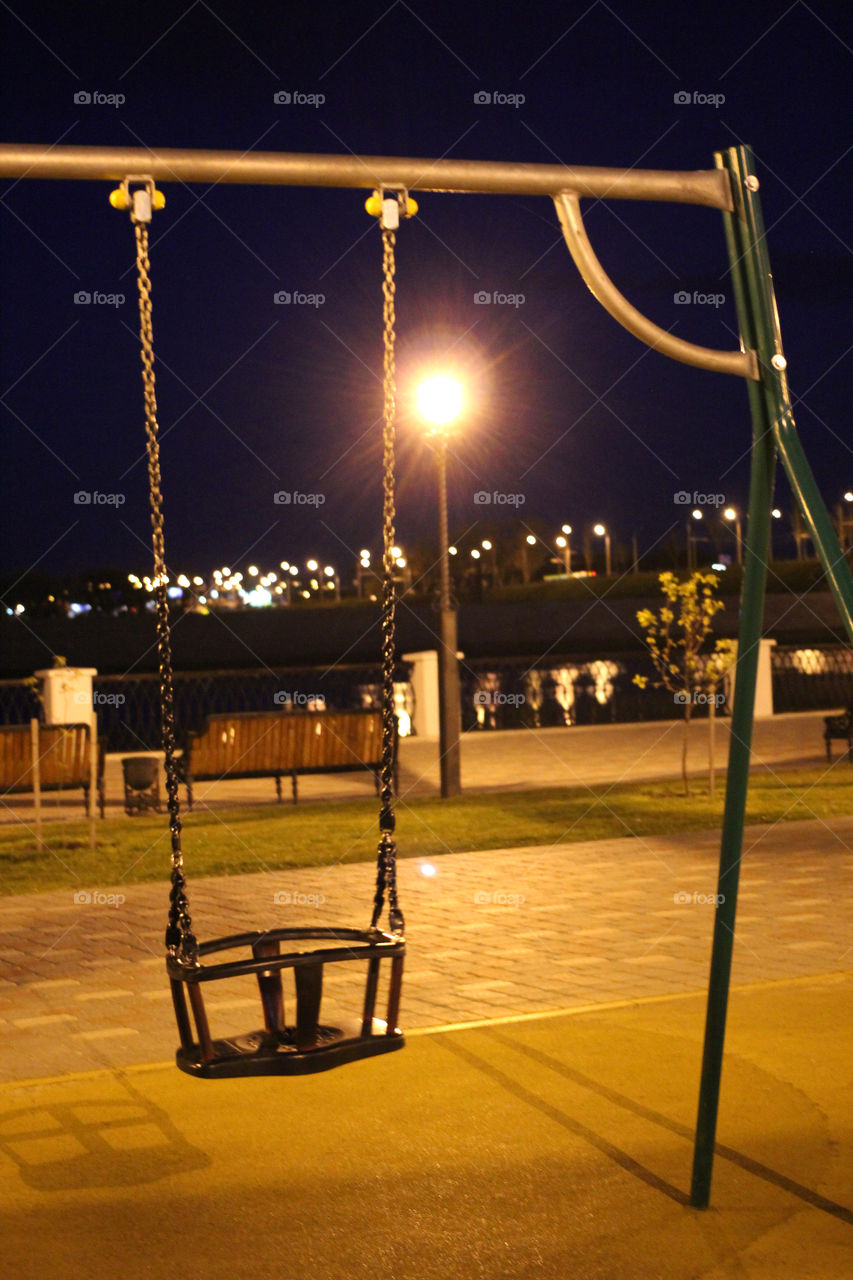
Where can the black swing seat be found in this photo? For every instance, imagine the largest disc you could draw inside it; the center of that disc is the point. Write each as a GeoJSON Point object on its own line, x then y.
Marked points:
{"type": "Point", "coordinates": [278, 1049]}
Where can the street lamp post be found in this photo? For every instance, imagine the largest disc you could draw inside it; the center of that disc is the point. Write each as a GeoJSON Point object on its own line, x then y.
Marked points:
{"type": "Point", "coordinates": [843, 520]}
{"type": "Point", "coordinates": [566, 548]}
{"type": "Point", "coordinates": [605, 534]}
{"type": "Point", "coordinates": [487, 545]}
{"type": "Point", "coordinates": [733, 515]}
{"type": "Point", "coordinates": [696, 514]}
{"type": "Point", "coordinates": [440, 400]}
{"type": "Point", "coordinates": [529, 541]}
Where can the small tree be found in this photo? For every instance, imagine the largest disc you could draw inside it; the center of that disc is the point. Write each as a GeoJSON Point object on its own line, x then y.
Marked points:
{"type": "Point", "coordinates": [675, 636]}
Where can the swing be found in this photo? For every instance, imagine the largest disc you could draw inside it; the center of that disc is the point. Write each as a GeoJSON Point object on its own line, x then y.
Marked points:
{"type": "Point", "coordinates": [306, 1045]}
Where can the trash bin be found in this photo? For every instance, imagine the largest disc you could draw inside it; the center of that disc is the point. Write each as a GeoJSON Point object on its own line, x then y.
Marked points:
{"type": "Point", "coordinates": [141, 784]}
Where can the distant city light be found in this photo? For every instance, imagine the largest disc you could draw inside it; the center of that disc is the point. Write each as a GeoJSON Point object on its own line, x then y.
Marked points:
{"type": "Point", "coordinates": [257, 598]}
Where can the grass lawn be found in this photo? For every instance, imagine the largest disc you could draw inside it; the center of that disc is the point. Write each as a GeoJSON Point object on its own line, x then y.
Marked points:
{"type": "Point", "coordinates": [131, 850]}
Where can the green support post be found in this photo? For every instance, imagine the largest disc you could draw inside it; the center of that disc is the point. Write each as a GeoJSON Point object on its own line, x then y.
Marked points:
{"type": "Point", "coordinates": [773, 427]}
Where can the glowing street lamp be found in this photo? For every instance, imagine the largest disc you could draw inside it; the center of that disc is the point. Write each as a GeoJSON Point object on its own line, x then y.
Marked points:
{"type": "Point", "coordinates": [696, 514]}
{"type": "Point", "coordinates": [602, 532]}
{"type": "Point", "coordinates": [440, 400]}
{"type": "Point", "coordinates": [844, 519]}
{"type": "Point", "coordinates": [487, 545]}
{"type": "Point", "coordinates": [566, 548]}
{"type": "Point", "coordinates": [363, 567]}
{"type": "Point", "coordinates": [733, 516]}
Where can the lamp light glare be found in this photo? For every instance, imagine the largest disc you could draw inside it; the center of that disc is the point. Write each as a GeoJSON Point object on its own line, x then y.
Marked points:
{"type": "Point", "coordinates": [440, 399]}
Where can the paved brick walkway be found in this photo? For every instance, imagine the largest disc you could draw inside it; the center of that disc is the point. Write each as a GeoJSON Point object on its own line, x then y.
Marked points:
{"type": "Point", "coordinates": [505, 932]}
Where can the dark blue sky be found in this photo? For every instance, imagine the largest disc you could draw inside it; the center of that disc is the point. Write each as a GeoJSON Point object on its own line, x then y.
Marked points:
{"type": "Point", "coordinates": [255, 397]}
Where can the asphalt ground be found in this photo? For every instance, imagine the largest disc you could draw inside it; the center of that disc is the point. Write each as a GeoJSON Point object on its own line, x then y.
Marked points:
{"type": "Point", "coordinates": [548, 1134]}
{"type": "Point", "coordinates": [552, 1147]}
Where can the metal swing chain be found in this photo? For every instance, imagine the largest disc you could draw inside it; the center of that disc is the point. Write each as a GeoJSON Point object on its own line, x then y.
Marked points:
{"type": "Point", "coordinates": [386, 863]}
{"type": "Point", "coordinates": [180, 939]}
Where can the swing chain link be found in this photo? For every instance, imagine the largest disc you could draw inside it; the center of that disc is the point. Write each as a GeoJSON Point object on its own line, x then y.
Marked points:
{"type": "Point", "coordinates": [386, 869]}
{"type": "Point", "coordinates": [180, 940]}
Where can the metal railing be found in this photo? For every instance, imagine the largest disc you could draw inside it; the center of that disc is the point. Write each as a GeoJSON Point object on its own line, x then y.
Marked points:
{"type": "Point", "coordinates": [503, 693]}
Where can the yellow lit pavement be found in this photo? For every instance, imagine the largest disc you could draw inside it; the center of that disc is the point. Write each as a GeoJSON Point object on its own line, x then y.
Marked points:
{"type": "Point", "coordinates": [555, 1147]}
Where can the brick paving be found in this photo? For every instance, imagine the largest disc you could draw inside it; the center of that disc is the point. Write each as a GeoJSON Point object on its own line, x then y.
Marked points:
{"type": "Point", "coordinates": [82, 983]}
{"type": "Point", "coordinates": [503, 932]}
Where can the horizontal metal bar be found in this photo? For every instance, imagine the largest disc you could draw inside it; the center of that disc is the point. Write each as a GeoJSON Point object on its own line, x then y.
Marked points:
{"type": "Point", "coordinates": [707, 187]}
{"type": "Point", "coordinates": [742, 364]}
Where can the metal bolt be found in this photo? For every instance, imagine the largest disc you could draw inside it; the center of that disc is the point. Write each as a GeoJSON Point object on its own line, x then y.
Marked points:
{"type": "Point", "coordinates": [779, 362]}
{"type": "Point", "coordinates": [751, 183]}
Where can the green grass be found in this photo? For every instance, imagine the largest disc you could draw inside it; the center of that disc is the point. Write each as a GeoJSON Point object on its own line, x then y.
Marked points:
{"type": "Point", "coordinates": [131, 850]}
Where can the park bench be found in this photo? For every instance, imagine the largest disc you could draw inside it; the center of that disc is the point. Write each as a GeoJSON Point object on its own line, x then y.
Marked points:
{"type": "Point", "coordinates": [279, 744]}
{"type": "Point", "coordinates": [840, 726]}
{"type": "Point", "coordinates": [64, 760]}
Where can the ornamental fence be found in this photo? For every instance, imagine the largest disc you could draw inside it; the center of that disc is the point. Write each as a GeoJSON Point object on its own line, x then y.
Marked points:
{"type": "Point", "coordinates": [506, 693]}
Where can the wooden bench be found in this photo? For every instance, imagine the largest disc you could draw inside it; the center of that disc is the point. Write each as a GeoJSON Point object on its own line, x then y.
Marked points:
{"type": "Point", "coordinates": [63, 761]}
{"type": "Point", "coordinates": [840, 726]}
{"type": "Point", "coordinates": [279, 744]}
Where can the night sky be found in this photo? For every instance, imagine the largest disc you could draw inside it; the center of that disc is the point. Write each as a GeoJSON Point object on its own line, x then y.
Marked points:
{"type": "Point", "coordinates": [565, 408]}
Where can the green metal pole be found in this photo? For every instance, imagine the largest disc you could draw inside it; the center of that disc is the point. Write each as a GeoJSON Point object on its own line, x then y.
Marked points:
{"type": "Point", "coordinates": [773, 428]}
{"type": "Point", "coordinates": [757, 333]}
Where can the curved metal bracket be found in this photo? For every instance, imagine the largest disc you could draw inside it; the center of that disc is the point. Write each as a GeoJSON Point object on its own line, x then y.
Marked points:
{"type": "Point", "coordinates": [743, 364]}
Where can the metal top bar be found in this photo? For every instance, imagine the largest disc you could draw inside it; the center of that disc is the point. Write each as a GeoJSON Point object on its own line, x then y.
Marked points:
{"type": "Point", "coordinates": [708, 187]}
